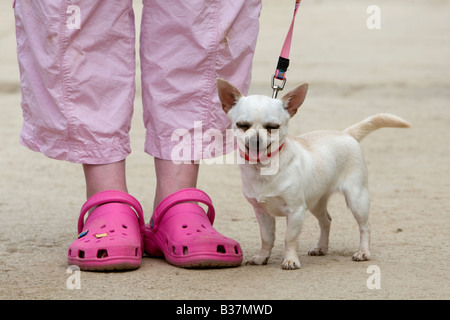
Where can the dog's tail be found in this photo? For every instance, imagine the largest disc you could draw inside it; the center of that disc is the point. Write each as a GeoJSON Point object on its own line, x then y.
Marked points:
{"type": "Point", "coordinates": [361, 129]}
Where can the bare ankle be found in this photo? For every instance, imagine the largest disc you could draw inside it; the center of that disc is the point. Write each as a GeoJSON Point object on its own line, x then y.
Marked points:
{"type": "Point", "coordinates": [105, 177]}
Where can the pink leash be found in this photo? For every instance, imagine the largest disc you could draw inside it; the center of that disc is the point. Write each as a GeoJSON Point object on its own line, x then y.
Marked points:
{"type": "Point", "coordinates": [283, 60]}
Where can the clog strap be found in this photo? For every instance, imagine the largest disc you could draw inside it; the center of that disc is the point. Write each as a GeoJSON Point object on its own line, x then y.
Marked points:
{"type": "Point", "coordinates": [183, 195]}
{"type": "Point", "coordinates": [108, 196]}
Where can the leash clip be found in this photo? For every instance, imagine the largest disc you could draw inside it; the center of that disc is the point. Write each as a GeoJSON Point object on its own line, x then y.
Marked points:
{"type": "Point", "coordinates": [276, 87]}
{"type": "Point", "coordinates": [283, 60]}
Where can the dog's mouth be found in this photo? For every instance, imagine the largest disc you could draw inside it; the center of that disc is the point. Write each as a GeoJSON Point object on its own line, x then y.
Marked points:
{"type": "Point", "coordinates": [258, 150]}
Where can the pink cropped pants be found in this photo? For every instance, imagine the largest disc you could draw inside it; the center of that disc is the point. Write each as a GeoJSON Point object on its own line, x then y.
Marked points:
{"type": "Point", "coordinates": [77, 64]}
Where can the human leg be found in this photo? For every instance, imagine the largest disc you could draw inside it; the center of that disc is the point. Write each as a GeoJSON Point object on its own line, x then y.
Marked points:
{"type": "Point", "coordinates": [77, 67]}
{"type": "Point", "coordinates": [184, 48]}
{"type": "Point", "coordinates": [105, 177]}
{"type": "Point", "coordinates": [171, 177]}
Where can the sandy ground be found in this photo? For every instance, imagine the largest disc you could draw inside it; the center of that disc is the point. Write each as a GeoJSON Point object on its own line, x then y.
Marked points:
{"type": "Point", "coordinates": [402, 68]}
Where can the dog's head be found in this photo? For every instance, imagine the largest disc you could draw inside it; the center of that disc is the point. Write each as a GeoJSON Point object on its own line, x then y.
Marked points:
{"type": "Point", "coordinates": [260, 122]}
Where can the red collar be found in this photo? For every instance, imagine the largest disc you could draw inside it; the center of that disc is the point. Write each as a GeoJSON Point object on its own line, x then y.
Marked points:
{"type": "Point", "coordinates": [259, 159]}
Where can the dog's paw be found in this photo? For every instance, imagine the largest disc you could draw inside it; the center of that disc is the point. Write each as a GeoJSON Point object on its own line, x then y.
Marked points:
{"type": "Point", "coordinates": [318, 251]}
{"type": "Point", "coordinates": [290, 264]}
{"type": "Point", "coordinates": [361, 256]}
{"type": "Point", "coordinates": [257, 260]}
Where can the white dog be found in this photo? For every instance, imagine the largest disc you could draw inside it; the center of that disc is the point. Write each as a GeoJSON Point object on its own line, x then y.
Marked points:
{"type": "Point", "coordinates": [311, 167]}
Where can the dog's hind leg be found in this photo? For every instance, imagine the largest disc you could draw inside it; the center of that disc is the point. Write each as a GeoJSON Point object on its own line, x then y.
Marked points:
{"type": "Point", "coordinates": [324, 218]}
{"type": "Point", "coordinates": [358, 200]}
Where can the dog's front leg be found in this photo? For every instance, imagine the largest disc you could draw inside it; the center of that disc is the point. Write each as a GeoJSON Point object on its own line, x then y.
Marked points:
{"type": "Point", "coordinates": [294, 225]}
{"type": "Point", "coordinates": [267, 230]}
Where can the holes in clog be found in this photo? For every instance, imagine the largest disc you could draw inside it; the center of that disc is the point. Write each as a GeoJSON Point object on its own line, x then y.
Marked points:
{"type": "Point", "coordinates": [221, 249]}
{"type": "Point", "coordinates": [124, 226]}
{"type": "Point", "coordinates": [81, 254]}
{"type": "Point", "coordinates": [184, 226]}
{"type": "Point", "coordinates": [174, 250]}
{"type": "Point", "coordinates": [236, 249]}
{"type": "Point", "coordinates": [102, 253]}
{"type": "Point", "coordinates": [103, 226]}
{"type": "Point", "coordinates": [185, 250]}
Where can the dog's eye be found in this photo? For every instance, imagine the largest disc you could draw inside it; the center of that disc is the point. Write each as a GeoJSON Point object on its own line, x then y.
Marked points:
{"type": "Point", "coordinates": [271, 126]}
{"type": "Point", "coordinates": [243, 125]}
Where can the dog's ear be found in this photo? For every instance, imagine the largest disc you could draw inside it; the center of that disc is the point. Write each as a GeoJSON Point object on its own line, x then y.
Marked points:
{"type": "Point", "coordinates": [294, 99]}
{"type": "Point", "coordinates": [228, 94]}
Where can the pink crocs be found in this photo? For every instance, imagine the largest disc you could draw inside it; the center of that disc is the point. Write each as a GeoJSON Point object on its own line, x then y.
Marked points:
{"type": "Point", "coordinates": [181, 232]}
{"type": "Point", "coordinates": [111, 238]}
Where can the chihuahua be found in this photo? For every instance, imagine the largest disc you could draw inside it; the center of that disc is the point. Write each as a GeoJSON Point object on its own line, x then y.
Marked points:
{"type": "Point", "coordinates": [311, 167]}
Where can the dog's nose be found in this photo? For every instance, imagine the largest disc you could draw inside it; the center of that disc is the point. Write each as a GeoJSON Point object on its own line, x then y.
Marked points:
{"type": "Point", "coordinates": [255, 142]}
